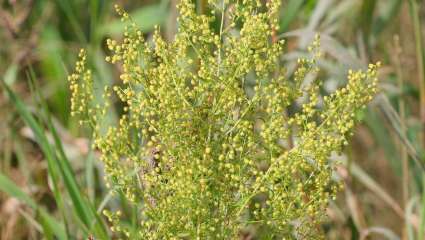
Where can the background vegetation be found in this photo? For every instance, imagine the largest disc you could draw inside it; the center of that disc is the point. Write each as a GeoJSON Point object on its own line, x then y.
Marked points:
{"type": "Point", "coordinates": [48, 175]}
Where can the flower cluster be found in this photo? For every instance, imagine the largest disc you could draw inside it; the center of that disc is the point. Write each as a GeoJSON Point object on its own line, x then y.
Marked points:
{"type": "Point", "coordinates": [215, 139]}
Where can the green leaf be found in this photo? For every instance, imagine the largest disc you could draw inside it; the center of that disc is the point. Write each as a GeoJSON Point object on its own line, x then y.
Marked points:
{"type": "Point", "coordinates": [289, 13]}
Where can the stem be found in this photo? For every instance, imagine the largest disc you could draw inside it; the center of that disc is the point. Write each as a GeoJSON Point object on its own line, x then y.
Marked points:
{"type": "Point", "coordinates": [223, 7]}
{"type": "Point", "coordinates": [272, 165]}
{"type": "Point", "coordinates": [402, 112]}
{"type": "Point", "coordinates": [420, 63]}
{"type": "Point", "coordinates": [202, 6]}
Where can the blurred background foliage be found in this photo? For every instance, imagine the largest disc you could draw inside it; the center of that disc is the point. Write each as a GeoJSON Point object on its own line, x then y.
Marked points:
{"type": "Point", "coordinates": [51, 185]}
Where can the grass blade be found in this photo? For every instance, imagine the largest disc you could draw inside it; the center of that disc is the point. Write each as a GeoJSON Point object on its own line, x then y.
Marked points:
{"type": "Point", "coordinates": [409, 215]}
{"type": "Point", "coordinates": [84, 209]}
{"type": "Point", "coordinates": [390, 13]}
{"type": "Point", "coordinates": [42, 141]}
{"type": "Point", "coordinates": [366, 18]}
{"type": "Point", "coordinates": [390, 235]}
{"type": "Point", "coordinates": [59, 166]}
{"type": "Point", "coordinates": [67, 8]}
{"type": "Point", "coordinates": [421, 230]}
{"type": "Point", "coordinates": [9, 187]}
{"type": "Point", "coordinates": [420, 56]}
{"type": "Point", "coordinates": [290, 12]}
{"type": "Point", "coordinates": [50, 224]}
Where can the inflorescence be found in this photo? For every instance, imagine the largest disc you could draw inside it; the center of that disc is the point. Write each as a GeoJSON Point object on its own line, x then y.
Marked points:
{"type": "Point", "coordinates": [214, 140]}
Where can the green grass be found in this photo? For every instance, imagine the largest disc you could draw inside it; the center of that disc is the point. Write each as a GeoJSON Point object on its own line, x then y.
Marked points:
{"type": "Point", "coordinates": [60, 170]}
